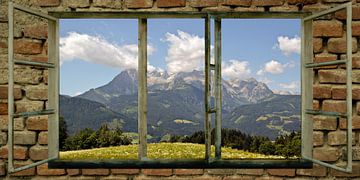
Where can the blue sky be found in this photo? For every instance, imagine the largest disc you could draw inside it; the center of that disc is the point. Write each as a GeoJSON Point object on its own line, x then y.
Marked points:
{"type": "Point", "coordinates": [94, 51]}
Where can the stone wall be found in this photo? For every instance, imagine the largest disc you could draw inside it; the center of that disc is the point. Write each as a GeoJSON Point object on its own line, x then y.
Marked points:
{"type": "Point", "coordinates": [31, 88]}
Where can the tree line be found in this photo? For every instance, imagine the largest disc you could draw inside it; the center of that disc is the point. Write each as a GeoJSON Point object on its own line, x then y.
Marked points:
{"type": "Point", "coordinates": [287, 145]}
{"type": "Point", "coordinates": [87, 138]}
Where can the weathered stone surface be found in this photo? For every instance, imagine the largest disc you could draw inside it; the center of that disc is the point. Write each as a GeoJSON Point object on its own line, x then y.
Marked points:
{"type": "Point", "coordinates": [327, 28]}
{"type": "Point", "coordinates": [28, 106]}
{"type": "Point", "coordinates": [38, 152]}
{"type": "Point", "coordinates": [171, 3]}
{"type": "Point", "coordinates": [316, 105]}
{"type": "Point", "coordinates": [326, 153]}
{"type": "Point", "coordinates": [237, 3]}
{"type": "Point", "coordinates": [136, 4]}
{"type": "Point", "coordinates": [316, 171]}
{"type": "Point", "coordinates": [2, 169]}
{"type": "Point", "coordinates": [256, 172]}
{"type": "Point", "coordinates": [3, 138]}
{"type": "Point", "coordinates": [43, 170]}
{"type": "Point", "coordinates": [221, 171]}
{"type": "Point", "coordinates": [4, 92]}
{"type": "Point", "coordinates": [318, 45]}
{"type": "Point", "coordinates": [20, 152]}
{"type": "Point", "coordinates": [27, 47]}
{"type": "Point", "coordinates": [355, 123]}
{"type": "Point", "coordinates": [43, 138]}
{"type": "Point", "coordinates": [337, 138]}
{"type": "Point", "coordinates": [158, 172]}
{"type": "Point", "coordinates": [95, 172]}
{"type": "Point", "coordinates": [24, 137]}
{"type": "Point", "coordinates": [268, 2]}
{"type": "Point", "coordinates": [338, 45]}
{"type": "Point", "coordinates": [337, 76]}
{"type": "Point", "coordinates": [355, 28]}
{"type": "Point", "coordinates": [318, 138]}
{"type": "Point", "coordinates": [38, 92]}
{"type": "Point", "coordinates": [305, 2]}
{"type": "Point", "coordinates": [77, 3]}
{"type": "Point", "coordinates": [3, 108]}
{"type": "Point", "coordinates": [356, 76]}
{"type": "Point", "coordinates": [355, 13]}
{"type": "Point", "coordinates": [24, 75]}
{"type": "Point", "coordinates": [47, 3]}
{"type": "Point", "coordinates": [27, 172]}
{"type": "Point", "coordinates": [282, 172]}
{"type": "Point", "coordinates": [73, 172]}
{"type": "Point", "coordinates": [203, 3]}
{"type": "Point", "coordinates": [115, 4]}
{"type": "Point", "coordinates": [187, 172]}
{"type": "Point", "coordinates": [321, 91]}
{"type": "Point", "coordinates": [324, 123]}
{"type": "Point", "coordinates": [355, 172]}
{"type": "Point", "coordinates": [334, 106]}
{"type": "Point", "coordinates": [325, 57]}
{"type": "Point", "coordinates": [37, 123]}
{"type": "Point", "coordinates": [334, 1]}
{"type": "Point", "coordinates": [38, 31]}
{"type": "Point", "coordinates": [18, 123]}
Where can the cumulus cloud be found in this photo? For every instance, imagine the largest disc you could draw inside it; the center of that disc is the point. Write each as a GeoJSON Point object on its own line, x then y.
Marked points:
{"type": "Point", "coordinates": [265, 80]}
{"type": "Point", "coordinates": [292, 85]}
{"type": "Point", "coordinates": [289, 45]}
{"type": "Point", "coordinates": [96, 49]}
{"type": "Point", "coordinates": [275, 67]}
{"type": "Point", "coordinates": [186, 52]}
{"type": "Point", "coordinates": [235, 69]}
{"type": "Point", "coordinates": [77, 93]}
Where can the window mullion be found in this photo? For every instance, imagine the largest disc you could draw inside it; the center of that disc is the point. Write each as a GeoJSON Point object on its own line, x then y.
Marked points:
{"type": "Point", "coordinates": [307, 76]}
{"type": "Point", "coordinates": [207, 121]}
{"type": "Point", "coordinates": [142, 89]}
{"type": "Point", "coordinates": [218, 94]}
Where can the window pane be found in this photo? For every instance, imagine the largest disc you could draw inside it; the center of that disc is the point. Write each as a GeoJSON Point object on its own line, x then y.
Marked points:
{"type": "Point", "coordinates": [261, 89]}
{"type": "Point", "coordinates": [98, 103]}
{"type": "Point", "coordinates": [176, 89]}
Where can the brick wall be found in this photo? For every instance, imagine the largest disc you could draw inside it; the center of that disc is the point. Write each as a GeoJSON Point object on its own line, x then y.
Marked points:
{"type": "Point", "coordinates": [31, 85]}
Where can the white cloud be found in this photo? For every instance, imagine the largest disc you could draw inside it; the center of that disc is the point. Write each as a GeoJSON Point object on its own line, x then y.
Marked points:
{"type": "Point", "coordinates": [275, 67]}
{"type": "Point", "coordinates": [282, 92]}
{"type": "Point", "coordinates": [235, 69]}
{"type": "Point", "coordinates": [96, 49]}
{"type": "Point", "coordinates": [292, 85]}
{"type": "Point", "coordinates": [186, 52]}
{"type": "Point", "coordinates": [77, 93]}
{"type": "Point", "coordinates": [289, 45]}
{"type": "Point", "coordinates": [265, 80]}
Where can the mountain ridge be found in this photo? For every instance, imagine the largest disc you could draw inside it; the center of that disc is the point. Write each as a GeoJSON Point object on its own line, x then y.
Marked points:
{"type": "Point", "coordinates": [176, 103]}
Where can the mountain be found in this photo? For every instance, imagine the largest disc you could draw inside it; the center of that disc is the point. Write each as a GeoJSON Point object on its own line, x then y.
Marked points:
{"type": "Point", "coordinates": [251, 89]}
{"type": "Point", "coordinates": [81, 113]}
{"type": "Point", "coordinates": [123, 84]}
{"type": "Point", "coordinates": [235, 92]}
{"type": "Point", "coordinates": [272, 117]}
{"type": "Point", "coordinates": [176, 104]}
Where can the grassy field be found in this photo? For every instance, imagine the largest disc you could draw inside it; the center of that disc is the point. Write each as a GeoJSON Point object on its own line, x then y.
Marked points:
{"type": "Point", "coordinates": [160, 151]}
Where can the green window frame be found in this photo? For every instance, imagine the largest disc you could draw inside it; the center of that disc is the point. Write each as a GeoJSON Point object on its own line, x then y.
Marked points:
{"type": "Point", "coordinates": [143, 162]}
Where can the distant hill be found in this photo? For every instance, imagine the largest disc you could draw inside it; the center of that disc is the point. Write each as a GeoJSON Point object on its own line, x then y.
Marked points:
{"type": "Point", "coordinates": [81, 113]}
{"type": "Point", "coordinates": [274, 116]}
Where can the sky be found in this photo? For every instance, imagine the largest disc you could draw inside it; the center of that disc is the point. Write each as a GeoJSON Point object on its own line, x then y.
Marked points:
{"type": "Point", "coordinates": [93, 52]}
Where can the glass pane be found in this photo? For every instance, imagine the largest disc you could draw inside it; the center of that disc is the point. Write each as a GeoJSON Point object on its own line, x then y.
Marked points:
{"type": "Point", "coordinates": [176, 88]}
{"type": "Point", "coordinates": [98, 102]}
{"type": "Point", "coordinates": [261, 89]}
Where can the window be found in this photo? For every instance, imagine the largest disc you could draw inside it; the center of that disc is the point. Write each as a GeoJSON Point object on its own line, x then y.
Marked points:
{"type": "Point", "coordinates": [212, 71]}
